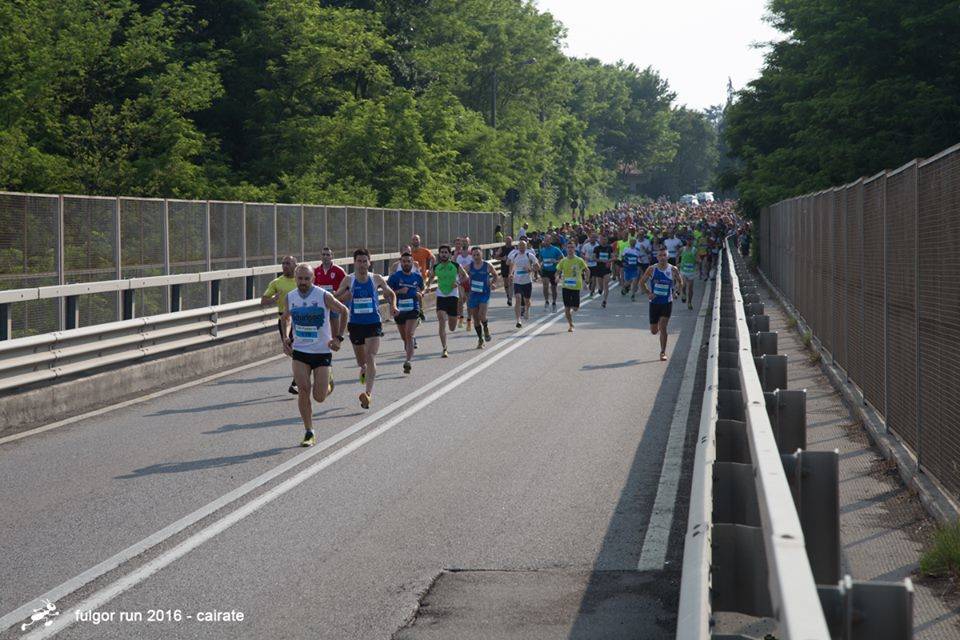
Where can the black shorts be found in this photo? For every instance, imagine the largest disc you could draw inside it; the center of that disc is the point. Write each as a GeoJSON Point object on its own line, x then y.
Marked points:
{"type": "Point", "coordinates": [660, 310]}
{"type": "Point", "coordinates": [600, 271]}
{"type": "Point", "coordinates": [313, 360]}
{"type": "Point", "coordinates": [525, 290]}
{"type": "Point", "coordinates": [360, 332]}
{"type": "Point", "coordinates": [571, 298]}
{"type": "Point", "coordinates": [448, 304]}
{"type": "Point", "coordinates": [504, 268]}
{"type": "Point", "coordinates": [549, 276]}
{"type": "Point", "coordinates": [407, 315]}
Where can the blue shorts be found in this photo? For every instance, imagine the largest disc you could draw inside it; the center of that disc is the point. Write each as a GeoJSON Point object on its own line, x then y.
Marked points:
{"type": "Point", "coordinates": [630, 274]}
{"type": "Point", "coordinates": [477, 299]}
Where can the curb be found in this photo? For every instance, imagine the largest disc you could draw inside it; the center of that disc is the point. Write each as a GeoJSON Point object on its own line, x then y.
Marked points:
{"type": "Point", "coordinates": [934, 498]}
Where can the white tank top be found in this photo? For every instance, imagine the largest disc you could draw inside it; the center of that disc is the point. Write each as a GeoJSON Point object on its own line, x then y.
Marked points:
{"type": "Point", "coordinates": [311, 320]}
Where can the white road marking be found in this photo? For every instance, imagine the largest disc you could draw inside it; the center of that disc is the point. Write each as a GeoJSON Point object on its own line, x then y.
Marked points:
{"type": "Point", "coordinates": [655, 540]}
{"type": "Point", "coordinates": [174, 528]}
{"type": "Point", "coordinates": [104, 595]}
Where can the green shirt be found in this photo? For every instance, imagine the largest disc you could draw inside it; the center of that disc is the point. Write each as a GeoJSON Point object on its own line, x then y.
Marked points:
{"type": "Point", "coordinates": [571, 272]}
{"type": "Point", "coordinates": [282, 285]}
{"type": "Point", "coordinates": [447, 274]}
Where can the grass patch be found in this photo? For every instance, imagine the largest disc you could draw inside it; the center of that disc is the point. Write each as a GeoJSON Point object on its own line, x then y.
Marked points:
{"type": "Point", "coordinates": [807, 339]}
{"type": "Point", "coordinates": [791, 322]}
{"type": "Point", "coordinates": [815, 357]}
{"type": "Point", "coordinates": [943, 557]}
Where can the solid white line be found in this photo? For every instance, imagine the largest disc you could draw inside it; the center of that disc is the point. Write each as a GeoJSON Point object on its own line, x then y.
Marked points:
{"type": "Point", "coordinates": [172, 529]}
{"type": "Point", "coordinates": [133, 401]}
{"type": "Point", "coordinates": [653, 554]}
{"type": "Point", "coordinates": [104, 595]}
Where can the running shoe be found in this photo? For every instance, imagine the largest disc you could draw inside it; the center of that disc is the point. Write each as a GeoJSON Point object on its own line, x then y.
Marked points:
{"type": "Point", "coordinates": [519, 325]}
{"type": "Point", "coordinates": [414, 343]}
{"type": "Point", "coordinates": [486, 334]}
{"type": "Point", "coordinates": [604, 304]}
{"type": "Point", "coordinates": [444, 354]}
{"type": "Point", "coordinates": [406, 367]}
{"type": "Point", "coordinates": [509, 302]}
{"type": "Point", "coordinates": [308, 439]}
{"type": "Point", "coordinates": [546, 305]}
{"type": "Point", "coordinates": [554, 306]}
{"type": "Point", "coordinates": [633, 298]}
{"type": "Point", "coordinates": [330, 387]}
{"type": "Point", "coordinates": [663, 356]}
{"type": "Point", "coordinates": [469, 324]}
{"type": "Point", "coordinates": [690, 305]}
{"type": "Point", "coordinates": [570, 329]}
{"type": "Point", "coordinates": [480, 343]}
{"type": "Point", "coordinates": [365, 400]}
{"type": "Point", "coordinates": [293, 389]}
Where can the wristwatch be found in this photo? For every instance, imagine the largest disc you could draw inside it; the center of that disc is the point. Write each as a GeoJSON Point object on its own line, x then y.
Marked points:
{"type": "Point", "coordinates": [340, 338]}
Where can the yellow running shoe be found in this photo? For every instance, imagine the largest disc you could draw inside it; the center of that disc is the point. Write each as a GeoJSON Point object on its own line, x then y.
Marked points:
{"type": "Point", "coordinates": [309, 439]}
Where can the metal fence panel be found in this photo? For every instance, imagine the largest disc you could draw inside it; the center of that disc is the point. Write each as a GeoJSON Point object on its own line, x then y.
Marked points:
{"type": "Point", "coordinates": [874, 381]}
{"type": "Point", "coordinates": [141, 250]}
{"type": "Point", "coordinates": [226, 245]}
{"type": "Point", "coordinates": [839, 282]}
{"type": "Point", "coordinates": [90, 252]}
{"type": "Point", "coordinates": [337, 231]}
{"type": "Point", "coordinates": [356, 228]}
{"type": "Point", "coordinates": [853, 270]}
{"type": "Point", "coordinates": [375, 235]}
{"type": "Point", "coordinates": [188, 252]}
{"type": "Point", "coordinates": [420, 225]}
{"type": "Point", "coordinates": [260, 240]}
{"type": "Point", "coordinates": [901, 268]}
{"type": "Point", "coordinates": [28, 257]}
{"type": "Point", "coordinates": [288, 231]}
{"type": "Point", "coordinates": [315, 233]}
{"type": "Point", "coordinates": [407, 228]}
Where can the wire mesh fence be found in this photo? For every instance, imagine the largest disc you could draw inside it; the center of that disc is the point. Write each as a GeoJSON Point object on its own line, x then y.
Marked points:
{"type": "Point", "coordinates": [49, 240]}
{"type": "Point", "coordinates": [873, 269]}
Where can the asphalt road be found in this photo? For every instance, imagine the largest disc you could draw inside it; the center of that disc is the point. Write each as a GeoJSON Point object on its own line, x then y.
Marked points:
{"type": "Point", "coordinates": [538, 455]}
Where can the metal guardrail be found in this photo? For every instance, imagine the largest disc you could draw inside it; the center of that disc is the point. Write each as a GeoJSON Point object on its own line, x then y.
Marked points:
{"type": "Point", "coordinates": [59, 354]}
{"type": "Point", "coordinates": [763, 530]}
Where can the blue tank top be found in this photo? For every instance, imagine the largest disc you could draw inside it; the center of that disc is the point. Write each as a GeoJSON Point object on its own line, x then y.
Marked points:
{"type": "Point", "coordinates": [479, 280]}
{"type": "Point", "coordinates": [364, 303]}
{"type": "Point", "coordinates": [662, 285]}
{"type": "Point", "coordinates": [409, 301]}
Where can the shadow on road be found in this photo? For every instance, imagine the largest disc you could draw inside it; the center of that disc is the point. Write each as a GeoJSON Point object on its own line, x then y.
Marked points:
{"type": "Point", "coordinates": [197, 465]}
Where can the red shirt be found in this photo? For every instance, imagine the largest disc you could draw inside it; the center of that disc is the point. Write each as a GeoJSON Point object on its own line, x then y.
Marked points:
{"type": "Point", "coordinates": [331, 279]}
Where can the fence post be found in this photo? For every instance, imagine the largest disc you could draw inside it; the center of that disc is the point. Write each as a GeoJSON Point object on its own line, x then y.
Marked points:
{"type": "Point", "coordinates": [303, 233]}
{"type": "Point", "coordinates": [243, 235]}
{"type": "Point", "coordinates": [118, 254]}
{"type": "Point", "coordinates": [165, 235]}
{"type": "Point", "coordinates": [275, 260]}
{"type": "Point", "coordinates": [61, 310]}
{"type": "Point", "coordinates": [916, 302]}
{"type": "Point", "coordinates": [886, 307]}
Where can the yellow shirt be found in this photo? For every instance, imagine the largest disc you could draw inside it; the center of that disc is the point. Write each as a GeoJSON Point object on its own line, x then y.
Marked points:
{"type": "Point", "coordinates": [571, 272]}
{"type": "Point", "coordinates": [282, 285]}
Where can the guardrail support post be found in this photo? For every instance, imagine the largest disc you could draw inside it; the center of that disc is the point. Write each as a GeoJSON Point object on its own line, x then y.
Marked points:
{"type": "Point", "coordinates": [739, 572]}
{"type": "Point", "coordinates": [758, 323]}
{"type": "Point", "coordinates": [868, 610]}
{"type": "Point", "coordinates": [72, 312]}
{"type": "Point", "coordinates": [6, 322]}
{"type": "Point", "coordinates": [128, 298]}
{"type": "Point", "coordinates": [814, 479]}
{"type": "Point", "coordinates": [787, 409]}
{"type": "Point", "coordinates": [215, 293]}
{"type": "Point", "coordinates": [250, 284]}
{"type": "Point", "coordinates": [176, 298]}
{"type": "Point", "coordinates": [753, 308]}
{"type": "Point", "coordinates": [773, 372]}
{"type": "Point", "coordinates": [764, 343]}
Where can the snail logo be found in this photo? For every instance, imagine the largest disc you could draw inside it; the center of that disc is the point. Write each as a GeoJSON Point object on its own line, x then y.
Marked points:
{"type": "Point", "coordinates": [47, 611]}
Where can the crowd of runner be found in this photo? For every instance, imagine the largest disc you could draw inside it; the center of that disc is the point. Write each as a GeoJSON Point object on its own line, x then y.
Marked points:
{"type": "Point", "coordinates": [659, 250]}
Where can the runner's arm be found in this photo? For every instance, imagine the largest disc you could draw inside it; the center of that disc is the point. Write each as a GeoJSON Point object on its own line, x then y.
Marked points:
{"type": "Point", "coordinates": [287, 340]}
{"type": "Point", "coordinates": [269, 296]}
{"type": "Point", "coordinates": [343, 291]}
{"type": "Point", "coordinates": [388, 293]}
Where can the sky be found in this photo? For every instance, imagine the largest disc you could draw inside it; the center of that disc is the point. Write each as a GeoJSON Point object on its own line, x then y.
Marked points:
{"type": "Point", "coordinates": [694, 44]}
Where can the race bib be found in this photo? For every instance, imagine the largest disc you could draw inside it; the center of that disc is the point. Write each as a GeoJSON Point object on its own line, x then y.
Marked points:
{"type": "Point", "coordinates": [604, 257]}
{"type": "Point", "coordinates": [327, 287]}
{"type": "Point", "coordinates": [549, 262]}
{"type": "Point", "coordinates": [521, 272]}
{"type": "Point", "coordinates": [406, 304]}
{"type": "Point", "coordinates": [570, 283]}
{"type": "Point", "coordinates": [476, 286]}
{"type": "Point", "coordinates": [363, 305]}
{"type": "Point", "coordinates": [591, 263]}
{"type": "Point", "coordinates": [661, 289]}
{"type": "Point", "coordinates": [306, 333]}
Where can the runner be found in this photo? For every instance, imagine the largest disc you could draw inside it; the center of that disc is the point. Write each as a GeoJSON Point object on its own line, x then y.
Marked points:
{"type": "Point", "coordinates": [424, 260]}
{"type": "Point", "coordinates": [449, 274]}
{"type": "Point", "coordinates": [483, 279]}
{"type": "Point", "coordinates": [603, 253]}
{"type": "Point", "coordinates": [328, 277]}
{"type": "Point", "coordinates": [631, 271]}
{"type": "Point", "coordinates": [503, 256]}
{"type": "Point", "coordinates": [464, 258]}
{"type": "Point", "coordinates": [663, 278]}
{"type": "Point", "coordinates": [310, 343]}
{"type": "Point", "coordinates": [409, 286]}
{"type": "Point", "coordinates": [703, 252]}
{"type": "Point", "coordinates": [523, 264]}
{"type": "Point", "coordinates": [572, 270]}
{"type": "Point", "coordinates": [645, 246]}
{"type": "Point", "coordinates": [364, 327]}
{"type": "Point", "coordinates": [550, 255]}
{"type": "Point", "coordinates": [587, 251]}
{"type": "Point", "coordinates": [276, 293]}
{"type": "Point", "coordinates": [688, 269]}
{"type": "Point", "coordinates": [672, 244]}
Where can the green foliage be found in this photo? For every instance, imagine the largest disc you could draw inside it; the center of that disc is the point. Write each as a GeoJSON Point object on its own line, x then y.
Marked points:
{"type": "Point", "coordinates": [443, 104]}
{"type": "Point", "coordinates": [943, 556]}
{"type": "Point", "coordinates": [854, 88]}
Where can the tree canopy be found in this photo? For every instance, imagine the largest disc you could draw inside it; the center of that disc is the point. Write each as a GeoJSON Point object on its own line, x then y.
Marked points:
{"type": "Point", "coordinates": [853, 88]}
{"type": "Point", "coordinates": [410, 103]}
